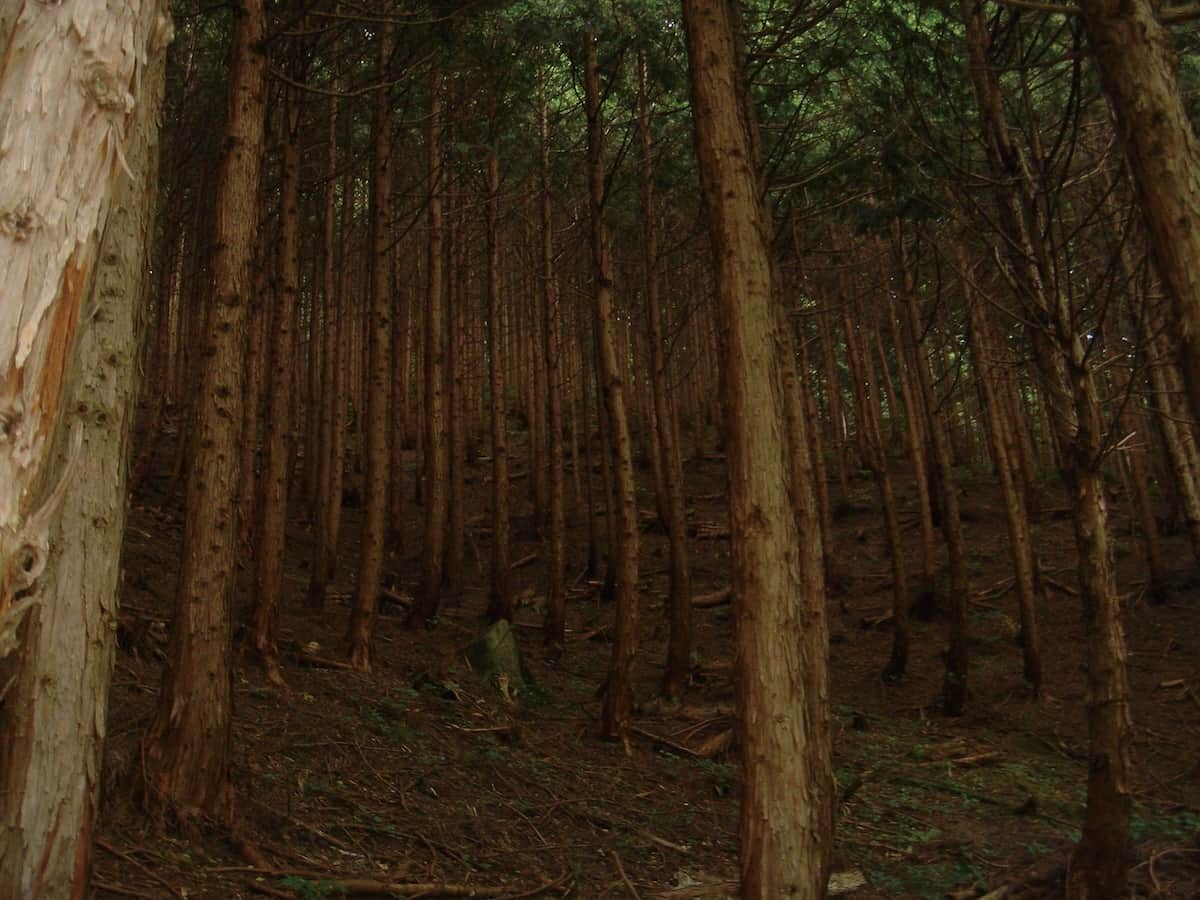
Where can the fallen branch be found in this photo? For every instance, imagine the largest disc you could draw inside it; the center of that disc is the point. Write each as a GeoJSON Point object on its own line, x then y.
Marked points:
{"type": "Point", "coordinates": [523, 561]}
{"type": "Point", "coordinates": [311, 660]}
{"type": "Point", "coordinates": [716, 745]}
{"type": "Point", "coordinates": [1059, 586]}
{"type": "Point", "coordinates": [716, 598]}
{"type": "Point", "coordinates": [633, 892]}
{"type": "Point", "coordinates": [146, 870]}
{"type": "Point", "coordinates": [665, 741]}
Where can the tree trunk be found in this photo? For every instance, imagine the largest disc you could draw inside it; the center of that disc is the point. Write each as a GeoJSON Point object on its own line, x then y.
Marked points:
{"type": "Point", "coordinates": [679, 598]}
{"type": "Point", "coordinates": [782, 690]}
{"type": "Point", "coordinates": [331, 397]}
{"type": "Point", "coordinates": [258, 326]}
{"type": "Point", "coordinates": [871, 448]}
{"type": "Point", "coordinates": [1137, 64]}
{"type": "Point", "coordinates": [1004, 452]}
{"type": "Point", "coordinates": [185, 750]}
{"type": "Point", "coordinates": [378, 400]}
{"type": "Point", "coordinates": [954, 690]}
{"type": "Point", "coordinates": [554, 629]}
{"type": "Point", "coordinates": [618, 694]}
{"type": "Point", "coordinates": [274, 488]}
{"type": "Point", "coordinates": [62, 510]}
{"type": "Point", "coordinates": [914, 409]}
{"type": "Point", "coordinates": [500, 602]}
{"type": "Point", "coordinates": [1098, 866]}
{"type": "Point", "coordinates": [456, 277]}
{"type": "Point", "coordinates": [437, 451]}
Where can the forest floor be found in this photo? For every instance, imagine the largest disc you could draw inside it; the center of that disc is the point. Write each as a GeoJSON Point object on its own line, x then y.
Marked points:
{"type": "Point", "coordinates": [424, 774]}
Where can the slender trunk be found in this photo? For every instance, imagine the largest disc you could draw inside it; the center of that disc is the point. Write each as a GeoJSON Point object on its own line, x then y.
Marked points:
{"type": "Point", "coordinates": [914, 408]}
{"type": "Point", "coordinates": [260, 316]}
{"type": "Point", "coordinates": [330, 397]}
{"type": "Point", "coordinates": [274, 489]}
{"type": "Point", "coordinates": [185, 751]}
{"type": "Point", "coordinates": [500, 602]}
{"type": "Point", "coordinates": [378, 429]}
{"type": "Point", "coordinates": [456, 277]}
{"type": "Point", "coordinates": [554, 628]}
{"type": "Point", "coordinates": [1004, 452]}
{"type": "Point", "coordinates": [437, 451]}
{"type": "Point", "coordinates": [618, 694]}
{"type": "Point", "coordinates": [954, 690]}
{"type": "Point", "coordinates": [781, 673]}
{"type": "Point", "coordinates": [679, 598]}
{"type": "Point", "coordinates": [1098, 866]}
{"type": "Point", "coordinates": [833, 401]}
{"type": "Point", "coordinates": [871, 448]}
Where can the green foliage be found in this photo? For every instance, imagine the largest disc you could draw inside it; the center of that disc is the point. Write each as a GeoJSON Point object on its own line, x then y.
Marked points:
{"type": "Point", "coordinates": [1180, 826]}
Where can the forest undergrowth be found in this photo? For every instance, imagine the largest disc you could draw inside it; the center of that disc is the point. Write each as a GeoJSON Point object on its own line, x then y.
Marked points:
{"type": "Point", "coordinates": [423, 779]}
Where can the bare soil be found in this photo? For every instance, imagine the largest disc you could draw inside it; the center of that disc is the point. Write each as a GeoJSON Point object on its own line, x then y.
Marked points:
{"type": "Point", "coordinates": [424, 775]}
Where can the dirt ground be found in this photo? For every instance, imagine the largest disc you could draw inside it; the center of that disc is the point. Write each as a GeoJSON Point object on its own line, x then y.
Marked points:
{"type": "Point", "coordinates": [425, 775]}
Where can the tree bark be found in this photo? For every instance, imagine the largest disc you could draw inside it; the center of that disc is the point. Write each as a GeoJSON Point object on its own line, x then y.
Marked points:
{"type": "Point", "coordinates": [954, 689]}
{"type": "Point", "coordinates": [1098, 865]}
{"type": "Point", "coordinates": [378, 400]}
{"type": "Point", "coordinates": [1137, 64]}
{"type": "Point", "coordinates": [618, 694]}
{"type": "Point", "coordinates": [1004, 452]}
{"type": "Point", "coordinates": [273, 495]}
{"type": "Point", "coordinates": [331, 396]}
{"type": "Point", "coordinates": [554, 629]}
{"type": "Point", "coordinates": [62, 507]}
{"type": "Point", "coordinates": [186, 746]}
{"type": "Point", "coordinates": [781, 639]}
{"type": "Point", "coordinates": [679, 598]}
{"type": "Point", "coordinates": [437, 451]}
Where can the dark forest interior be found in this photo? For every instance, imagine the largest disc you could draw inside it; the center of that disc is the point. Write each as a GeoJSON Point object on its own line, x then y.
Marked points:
{"type": "Point", "coordinates": [515, 448]}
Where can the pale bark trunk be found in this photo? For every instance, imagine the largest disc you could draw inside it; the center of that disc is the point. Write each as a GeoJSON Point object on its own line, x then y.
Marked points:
{"type": "Point", "coordinates": [783, 696]}
{"type": "Point", "coordinates": [186, 747]}
{"type": "Point", "coordinates": [378, 429]}
{"type": "Point", "coordinates": [618, 694]}
{"type": "Point", "coordinates": [57, 641]}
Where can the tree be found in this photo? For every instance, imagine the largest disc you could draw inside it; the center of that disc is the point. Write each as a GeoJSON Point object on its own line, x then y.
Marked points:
{"type": "Point", "coordinates": [618, 691]}
{"type": "Point", "coordinates": [186, 746]}
{"type": "Point", "coordinates": [273, 493]}
{"type": "Point", "coordinates": [437, 451]}
{"type": "Point", "coordinates": [1068, 382]}
{"type": "Point", "coordinates": [1137, 66]}
{"type": "Point", "coordinates": [679, 601]}
{"type": "Point", "coordinates": [781, 640]}
{"type": "Point", "coordinates": [370, 561]}
{"type": "Point", "coordinates": [68, 363]}
{"type": "Point", "coordinates": [500, 601]}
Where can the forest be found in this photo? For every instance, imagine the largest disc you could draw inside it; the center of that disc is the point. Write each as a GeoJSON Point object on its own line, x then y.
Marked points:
{"type": "Point", "coordinates": [654, 448]}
